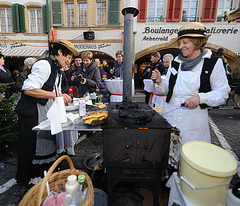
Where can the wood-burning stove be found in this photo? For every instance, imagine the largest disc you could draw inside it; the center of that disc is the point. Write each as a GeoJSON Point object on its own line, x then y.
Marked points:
{"type": "Point", "coordinates": [135, 138]}
{"type": "Point", "coordinates": [135, 152]}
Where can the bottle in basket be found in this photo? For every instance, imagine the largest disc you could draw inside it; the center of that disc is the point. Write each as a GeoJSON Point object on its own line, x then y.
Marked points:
{"type": "Point", "coordinates": [72, 188]}
{"type": "Point", "coordinates": [83, 188]}
{"type": "Point", "coordinates": [82, 108]}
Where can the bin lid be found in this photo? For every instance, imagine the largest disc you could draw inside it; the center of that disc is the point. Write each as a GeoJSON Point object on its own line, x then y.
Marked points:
{"type": "Point", "coordinates": [209, 159]}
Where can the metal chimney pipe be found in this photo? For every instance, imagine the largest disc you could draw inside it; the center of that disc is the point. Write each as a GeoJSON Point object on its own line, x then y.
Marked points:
{"type": "Point", "coordinates": [128, 13]}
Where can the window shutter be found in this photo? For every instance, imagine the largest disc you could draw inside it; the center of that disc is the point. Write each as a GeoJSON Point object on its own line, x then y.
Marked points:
{"type": "Point", "coordinates": [46, 20]}
{"type": "Point", "coordinates": [174, 10]}
{"type": "Point", "coordinates": [142, 7]}
{"type": "Point", "coordinates": [113, 12]}
{"type": "Point", "coordinates": [56, 6]}
{"type": "Point", "coordinates": [177, 10]}
{"type": "Point", "coordinates": [21, 18]}
{"type": "Point", "coordinates": [169, 10]}
{"type": "Point", "coordinates": [15, 19]}
{"type": "Point", "coordinates": [18, 18]}
{"type": "Point", "coordinates": [209, 10]}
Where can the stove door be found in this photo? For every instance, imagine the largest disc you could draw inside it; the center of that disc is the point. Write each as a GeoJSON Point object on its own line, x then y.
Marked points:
{"type": "Point", "coordinates": [136, 148]}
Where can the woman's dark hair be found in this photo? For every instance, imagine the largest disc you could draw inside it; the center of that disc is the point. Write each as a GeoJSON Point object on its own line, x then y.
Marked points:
{"type": "Point", "coordinates": [55, 47]}
{"type": "Point", "coordinates": [1, 55]}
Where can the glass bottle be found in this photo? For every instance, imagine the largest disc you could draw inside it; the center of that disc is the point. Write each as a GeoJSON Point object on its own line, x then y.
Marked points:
{"type": "Point", "coordinates": [83, 188]}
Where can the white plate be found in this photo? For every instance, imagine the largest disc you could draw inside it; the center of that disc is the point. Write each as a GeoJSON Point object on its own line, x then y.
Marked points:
{"type": "Point", "coordinates": [71, 108]}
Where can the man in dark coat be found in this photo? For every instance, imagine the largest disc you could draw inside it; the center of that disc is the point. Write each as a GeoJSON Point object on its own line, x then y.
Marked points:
{"type": "Point", "coordinates": [156, 64]}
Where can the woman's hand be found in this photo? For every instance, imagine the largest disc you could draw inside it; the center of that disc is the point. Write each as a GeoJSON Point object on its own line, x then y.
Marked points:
{"type": "Point", "coordinates": [156, 76]}
{"type": "Point", "coordinates": [66, 98]}
{"type": "Point", "coordinates": [83, 81]}
{"type": "Point", "coordinates": [192, 102]}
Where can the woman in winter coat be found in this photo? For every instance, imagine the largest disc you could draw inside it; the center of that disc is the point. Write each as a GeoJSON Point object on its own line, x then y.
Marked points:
{"type": "Point", "coordinates": [88, 75]}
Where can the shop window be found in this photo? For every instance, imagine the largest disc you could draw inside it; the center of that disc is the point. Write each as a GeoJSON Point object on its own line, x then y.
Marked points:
{"type": "Point", "coordinates": [190, 11]}
{"type": "Point", "coordinates": [5, 20]}
{"type": "Point", "coordinates": [209, 10]}
{"type": "Point", "coordinates": [18, 19]}
{"type": "Point", "coordinates": [113, 12]}
{"type": "Point", "coordinates": [35, 20]}
{"type": "Point", "coordinates": [101, 13]}
{"type": "Point", "coordinates": [70, 14]}
{"type": "Point", "coordinates": [82, 8]}
{"type": "Point", "coordinates": [56, 7]}
{"type": "Point", "coordinates": [174, 10]}
{"type": "Point", "coordinates": [223, 5]}
{"type": "Point", "coordinates": [155, 11]}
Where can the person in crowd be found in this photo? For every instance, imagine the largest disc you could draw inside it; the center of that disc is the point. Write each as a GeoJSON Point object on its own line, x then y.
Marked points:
{"type": "Point", "coordinates": [118, 65]}
{"type": "Point", "coordinates": [106, 67]}
{"type": "Point", "coordinates": [28, 62]}
{"type": "Point", "coordinates": [196, 80]}
{"type": "Point", "coordinates": [6, 77]}
{"type": "Point", "coordinates": [167, 59]}
{"type": "Point", "coordinates": [97, 60]}
{"type": "Point", "coordinates": [103, 88]}
{"type": "Point", "coordinates": [220, 53]}
{"type": "Point", "coordinates": [72, 72]}
{"type": "Point", "coordinates": [111, 74]}
{"type": "Point", "coordinates": [37, 149]}
{"type": "Point", "coordinates": [88, 75]}
{"type": "Point", "coordinates": [156, 64]}
{"type": "Point", "coordinates": [15, 74]}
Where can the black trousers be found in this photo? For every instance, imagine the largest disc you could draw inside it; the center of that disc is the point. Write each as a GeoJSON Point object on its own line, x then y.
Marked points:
{"type": "Point", "coordinates": [26, 147]}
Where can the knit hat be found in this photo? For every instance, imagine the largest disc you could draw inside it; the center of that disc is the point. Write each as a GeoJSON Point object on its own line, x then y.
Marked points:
{"type": "Point", "coordinates": [105, 73]}
{"type": "Point", "coordinates": [192, 29]}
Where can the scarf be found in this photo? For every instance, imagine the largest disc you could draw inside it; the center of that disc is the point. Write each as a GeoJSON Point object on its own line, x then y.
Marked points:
{"type": "Point", "coordinates": [189, 64]}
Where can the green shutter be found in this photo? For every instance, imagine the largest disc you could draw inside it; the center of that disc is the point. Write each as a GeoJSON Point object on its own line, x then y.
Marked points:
{"type": "Point", "coordinates": [15, 19]}
{"type": "Point", "coordinates": [46, 20]}
{"type": "Point", "coordinates": [21, 18]}
{"type": "Point", "coordinates": [113, 12]}
{"type": "Point", "coordinates": [18, 18]}
{"type": "Point", "coordinates": [56, 6]}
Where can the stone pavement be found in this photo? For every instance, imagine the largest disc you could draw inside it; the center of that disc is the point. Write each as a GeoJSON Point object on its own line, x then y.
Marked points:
{"type": "Point", "coordinates": [226, 119]}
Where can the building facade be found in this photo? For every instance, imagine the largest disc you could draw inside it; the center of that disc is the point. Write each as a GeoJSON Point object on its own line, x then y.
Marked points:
{"type": "Point", "coordinates": [97, 25]}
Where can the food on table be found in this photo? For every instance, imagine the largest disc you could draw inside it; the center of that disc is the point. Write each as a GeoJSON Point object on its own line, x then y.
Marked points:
{"type": "Point", "coordinates": [95, 116]}
{"type": "Point", "coordinates": [100, 105]}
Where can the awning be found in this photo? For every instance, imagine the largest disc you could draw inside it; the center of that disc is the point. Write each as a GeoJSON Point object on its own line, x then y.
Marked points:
{"type": "Point", "coordinates": [23, 52]}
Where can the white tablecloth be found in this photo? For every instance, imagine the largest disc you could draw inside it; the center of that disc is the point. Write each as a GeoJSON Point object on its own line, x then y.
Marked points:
{"type": "Point", "coordinates": [176, 194]}
{"type": "Point", "coordinates": [115, 87]}
{"type": "Point", "coordinates": [157, 99]}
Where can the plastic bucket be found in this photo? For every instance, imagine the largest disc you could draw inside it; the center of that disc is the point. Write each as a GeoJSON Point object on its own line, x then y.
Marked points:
{"type": "Point", "coordinates": [100, 197]}
{"type": "Point", "coordinates": [205, 173]}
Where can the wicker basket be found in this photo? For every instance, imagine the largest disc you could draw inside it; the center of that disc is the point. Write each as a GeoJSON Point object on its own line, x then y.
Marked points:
{"type": "Point", "coordinates": [38, 193]}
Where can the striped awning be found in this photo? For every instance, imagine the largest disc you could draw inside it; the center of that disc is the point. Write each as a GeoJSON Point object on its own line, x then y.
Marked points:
{"type": "Point", "coordinates": [23, 52]}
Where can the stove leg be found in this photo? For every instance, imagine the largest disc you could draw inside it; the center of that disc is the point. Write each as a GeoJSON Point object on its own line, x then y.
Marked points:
{"type": "Point", "coordinates": [111, 184]}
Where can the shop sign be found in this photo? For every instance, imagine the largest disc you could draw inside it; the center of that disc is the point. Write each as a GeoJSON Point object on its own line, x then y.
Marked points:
{"type": "Point", "coordinates": [161, 34]}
